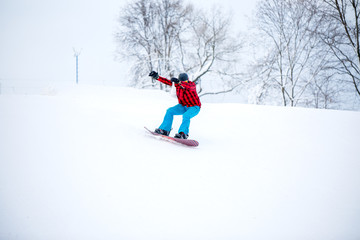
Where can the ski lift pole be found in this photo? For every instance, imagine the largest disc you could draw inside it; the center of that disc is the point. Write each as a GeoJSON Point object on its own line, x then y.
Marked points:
{"type": "Point", "coordinates": [76, 55]}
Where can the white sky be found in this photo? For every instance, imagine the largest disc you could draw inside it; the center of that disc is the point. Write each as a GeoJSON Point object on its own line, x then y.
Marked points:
{"type": "Point", "coordinates": [38, 36]}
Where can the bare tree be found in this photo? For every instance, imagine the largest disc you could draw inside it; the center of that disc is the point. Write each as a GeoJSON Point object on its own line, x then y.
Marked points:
{"type": "Point", "coordinates": [148, 32]}
{"type": "Point", "coordinates": [344, 37]}
{"type": "Point", "coordinates": [136, 33]}
{"type": "Point", "coordinates": [173, 19]}
{"type": "Point", "coordinates": [294, 55]}
{"type": "Point", "coordinates": [170, 37]}
{"type": "Point", "coordinates": [214, 51]}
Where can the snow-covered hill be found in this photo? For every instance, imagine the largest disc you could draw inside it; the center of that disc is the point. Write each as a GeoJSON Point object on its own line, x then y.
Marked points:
{"type": "Point", "coordinates": [79, 165]}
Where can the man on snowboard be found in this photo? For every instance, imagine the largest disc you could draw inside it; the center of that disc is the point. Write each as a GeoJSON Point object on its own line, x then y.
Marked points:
{"type": "Point", "coordinates": [189, 104]}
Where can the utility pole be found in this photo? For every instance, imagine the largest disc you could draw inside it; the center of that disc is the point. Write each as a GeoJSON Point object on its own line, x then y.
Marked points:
{"type": "Point", "coordinates": [76, 54]}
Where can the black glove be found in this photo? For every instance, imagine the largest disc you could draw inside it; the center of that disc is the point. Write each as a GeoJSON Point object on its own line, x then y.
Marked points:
{"type": "Point", "coordinates": [154, 75]}
{"type": "Point", "coordinates": [175, 80]}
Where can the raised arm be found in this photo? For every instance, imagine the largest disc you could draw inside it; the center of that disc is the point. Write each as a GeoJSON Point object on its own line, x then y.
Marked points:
{"type": "Point", "coordinates": [156, 76]}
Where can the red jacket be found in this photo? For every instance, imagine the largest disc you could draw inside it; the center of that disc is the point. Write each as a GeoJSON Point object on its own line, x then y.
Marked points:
{"type": "Point", "coordinates": [185, 92]}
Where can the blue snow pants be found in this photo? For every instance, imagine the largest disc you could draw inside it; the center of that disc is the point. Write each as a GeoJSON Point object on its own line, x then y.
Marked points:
{"type": "Point", "coordinates": [187, 112]}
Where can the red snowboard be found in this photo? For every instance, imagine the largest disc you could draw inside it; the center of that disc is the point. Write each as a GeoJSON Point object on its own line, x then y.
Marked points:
{"type": "Point", "coordinates": [187, 142]}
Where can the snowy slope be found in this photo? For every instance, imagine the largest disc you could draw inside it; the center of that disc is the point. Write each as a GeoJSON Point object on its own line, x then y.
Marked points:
{"type": "Point", "coordinates": [79, 165]}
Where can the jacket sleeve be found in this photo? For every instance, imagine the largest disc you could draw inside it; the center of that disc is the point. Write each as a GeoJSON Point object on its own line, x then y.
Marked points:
{"type": "Point", "coordinates": [189, 86]}
{"type": "Point", "coordinates": [165, 81]}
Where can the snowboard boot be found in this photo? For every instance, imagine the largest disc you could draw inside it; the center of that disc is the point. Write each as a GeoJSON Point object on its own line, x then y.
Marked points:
{"type": "Point", "coordinates": [181, 135]}
{"type": "Point", "coordinates": [162, 132]}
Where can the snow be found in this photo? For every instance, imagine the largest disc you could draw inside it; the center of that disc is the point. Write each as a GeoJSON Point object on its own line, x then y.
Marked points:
{"type": "Point", "coordinates": [79, 165]}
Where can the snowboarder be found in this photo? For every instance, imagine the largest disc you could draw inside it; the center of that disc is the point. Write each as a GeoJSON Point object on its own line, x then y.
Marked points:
{"type": "Point", "coordinates": [189, 104]}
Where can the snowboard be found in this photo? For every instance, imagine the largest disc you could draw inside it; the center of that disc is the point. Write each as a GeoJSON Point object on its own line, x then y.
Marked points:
{"type": "Point", "coordinates": [187, 142]}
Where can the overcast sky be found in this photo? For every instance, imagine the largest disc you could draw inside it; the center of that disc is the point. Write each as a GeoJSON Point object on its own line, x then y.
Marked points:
{"type": "Point", "coordinates": [38, 36]}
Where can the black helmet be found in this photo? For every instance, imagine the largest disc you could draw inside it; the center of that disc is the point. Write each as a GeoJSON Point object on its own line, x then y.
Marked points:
{"type": "Point", "coordinates": [183, 77]}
